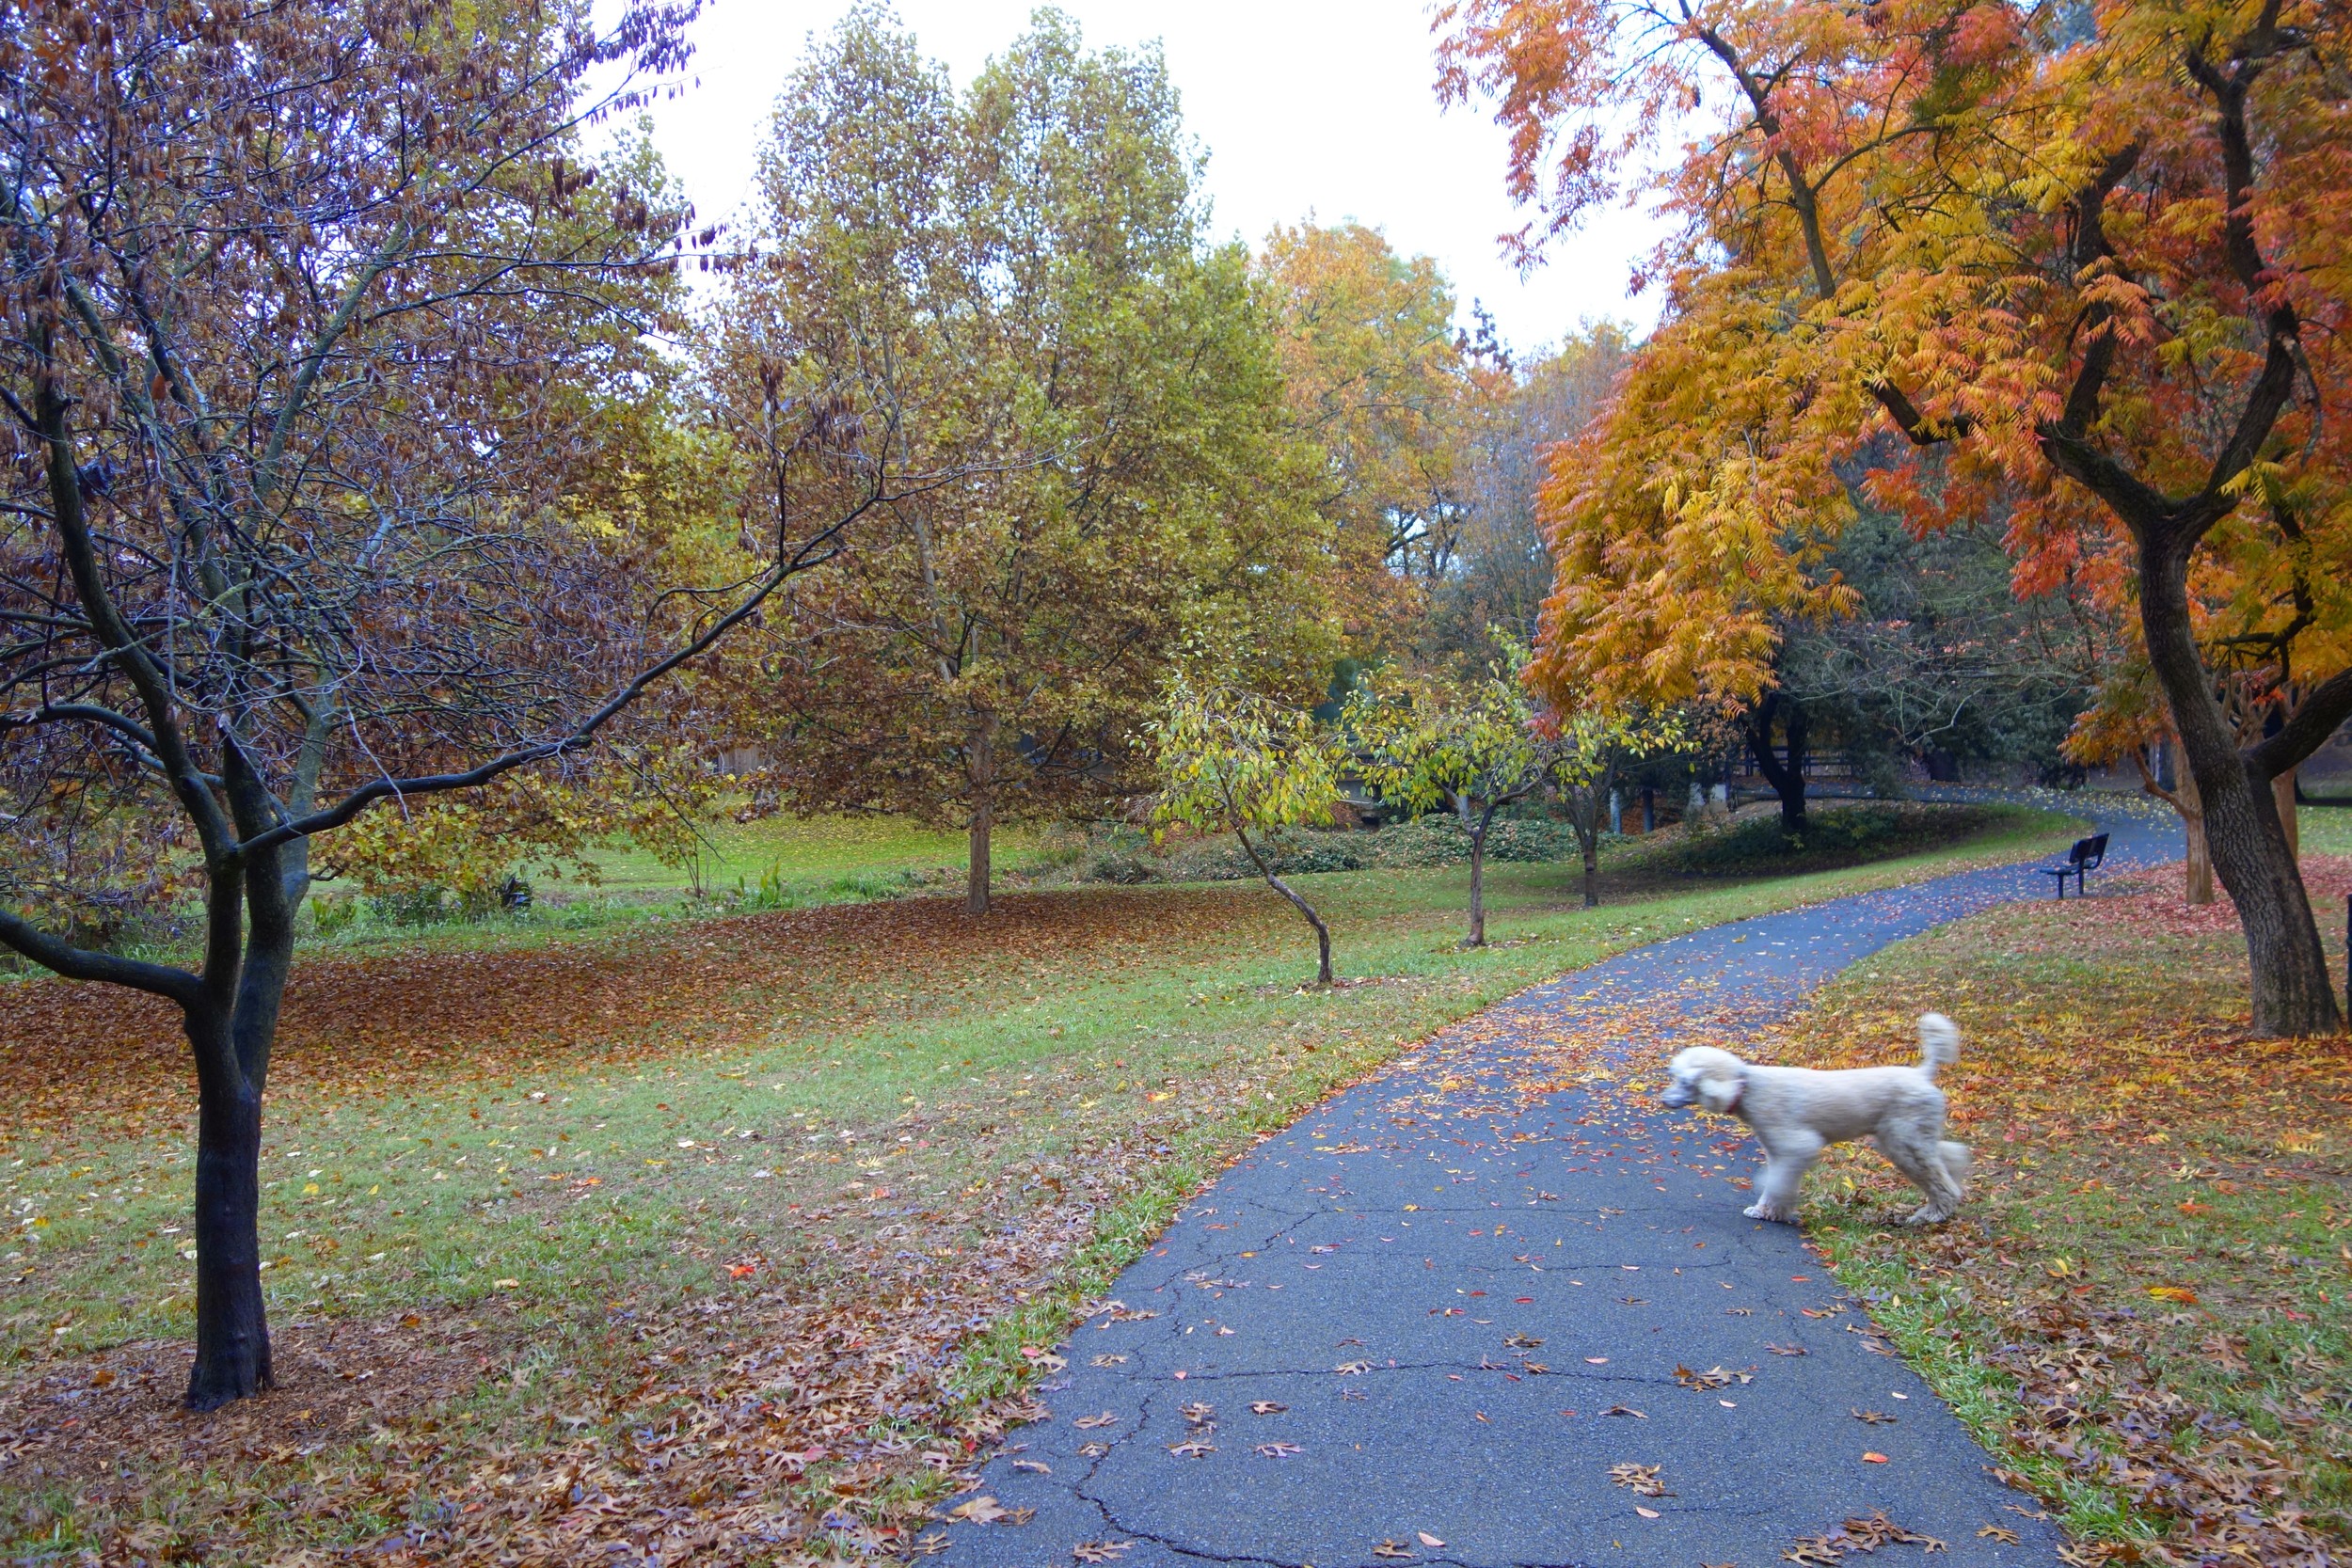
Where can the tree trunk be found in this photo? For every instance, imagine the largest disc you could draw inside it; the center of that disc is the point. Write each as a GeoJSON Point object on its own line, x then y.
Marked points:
{"type": "Point", "coordinates": [1592, 876]}
{"type": "Point", "coordinates": [1323, 932]}
{"type": "Point", "coordinates": [2282, 794]}
{"type": "Point", "coordinates": [231, 1327]}
{"type": "Point", "coordinates": [1787, 778]}
{"type": "Point", "coordinates": [1478, 880]}
{"type": "Point", "coordinates": [2199, 890]}
{"type": "Point", "coordinates": [2200, 865]}
{"type": "Point", "coordinates": [2293, 993]}
{"type": "Point", "coordinates": [980, 765]}
{"type": "Point", "coordinates": [977, 877]}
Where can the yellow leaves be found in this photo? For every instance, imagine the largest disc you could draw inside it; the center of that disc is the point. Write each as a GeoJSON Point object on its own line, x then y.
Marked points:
{"type": "Point", "coordinates": [2180, 1294]}
{"type": "Point", "coordinates": [1231, 760]}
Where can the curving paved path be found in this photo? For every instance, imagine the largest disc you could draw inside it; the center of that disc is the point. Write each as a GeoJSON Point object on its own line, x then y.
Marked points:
{"type": "Point", "coordinates": [1410, 1316]}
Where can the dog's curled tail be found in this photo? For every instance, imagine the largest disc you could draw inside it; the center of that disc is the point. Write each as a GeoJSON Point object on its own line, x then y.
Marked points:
{"type": "Point", "coordinates": [1939, 1042]}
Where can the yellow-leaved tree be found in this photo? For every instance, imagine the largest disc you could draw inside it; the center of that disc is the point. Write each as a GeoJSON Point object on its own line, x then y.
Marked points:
{"type": "Point", "coordinates": [1236, 761]}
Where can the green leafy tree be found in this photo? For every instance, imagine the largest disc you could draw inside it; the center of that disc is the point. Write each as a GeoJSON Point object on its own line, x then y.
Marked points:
{"type": "Point", "coordinates": [1471, 748]}
{"type": "Point", "coordinates": [1009, 289]}
{"type": "Point", "coordinates": [1236, 761]}
{"type": "Point", "coordinates": [1586, 754]}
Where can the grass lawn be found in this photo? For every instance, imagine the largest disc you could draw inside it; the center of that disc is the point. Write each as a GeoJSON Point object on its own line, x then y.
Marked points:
{"type": "Point", "coordinates": [2325, 830]}
{"type": "Point", "coordinates": [739, 1234]}
{"type": "Point", "coordinates": [2143, 1308]}
{"type": "Point", "coordinates": [805, 860]}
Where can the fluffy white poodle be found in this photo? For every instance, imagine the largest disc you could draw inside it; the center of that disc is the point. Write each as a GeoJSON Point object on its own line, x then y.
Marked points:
{"type": "Point", "coordinates": [1797, 1112]}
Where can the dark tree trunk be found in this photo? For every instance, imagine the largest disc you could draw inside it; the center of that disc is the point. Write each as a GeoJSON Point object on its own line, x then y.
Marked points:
{"type": "Point", "coordinates": [231, 1327]}
{"type": "Point", "coordinates": [1787, 778]}
{"type": "Point", "coordinates": [1478, 880]}
{"type": "Point", "coordinates": [1592, 874]}
{"type": "Point", "coordinates": [2293, 993]}
{"type": "Point", "coordinates": [976, 881]}
{"type": "Point", "coordinates": [1323, 932]}
{"type": "Point", "coordinates": [980, 762]}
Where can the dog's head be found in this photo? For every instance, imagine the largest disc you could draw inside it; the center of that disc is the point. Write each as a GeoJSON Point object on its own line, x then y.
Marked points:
{"type": "Point", "coordinates": [1704, 1076]}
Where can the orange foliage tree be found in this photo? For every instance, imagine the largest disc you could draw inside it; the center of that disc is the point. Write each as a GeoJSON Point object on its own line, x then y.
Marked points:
{"type": "Point", "coordinates": [2081, 268]}
{"type": "Point", "coordinates": [1388, 393]}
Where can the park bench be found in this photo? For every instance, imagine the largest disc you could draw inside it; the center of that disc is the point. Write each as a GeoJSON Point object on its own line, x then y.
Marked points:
{"type": "Point", "coordinates": [2084, 856]}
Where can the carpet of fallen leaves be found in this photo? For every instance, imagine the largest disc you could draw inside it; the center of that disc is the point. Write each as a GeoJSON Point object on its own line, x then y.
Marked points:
{"type": "Point", "coordinates": [736, 1430]}
{"type": "Point", "coordinates": [805, 1412]}
{"type": "Point", "coordinates": [2154, 1253]}
{"type": "Point", "coordinates": [369, 1023]}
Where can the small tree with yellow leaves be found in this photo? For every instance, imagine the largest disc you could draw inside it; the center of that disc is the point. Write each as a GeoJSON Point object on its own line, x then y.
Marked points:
{"type": "Point", "coordinates": [1471, 748]}
{"type": "Point", "coordinates": [1236, 761]}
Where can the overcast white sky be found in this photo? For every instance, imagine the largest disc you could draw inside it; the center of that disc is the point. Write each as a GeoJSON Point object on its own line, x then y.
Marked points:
{"type": "Point", "coordinates": [1320, 106]}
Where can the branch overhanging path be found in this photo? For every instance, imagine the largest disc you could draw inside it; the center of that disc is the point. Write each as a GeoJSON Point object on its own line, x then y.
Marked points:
{"type": "Point", "coordinates": [1376, 1277]}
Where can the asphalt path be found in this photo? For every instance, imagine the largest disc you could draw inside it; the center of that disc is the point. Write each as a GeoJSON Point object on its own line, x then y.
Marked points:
{"type": "Point", "coordinates": [1428, 1321]}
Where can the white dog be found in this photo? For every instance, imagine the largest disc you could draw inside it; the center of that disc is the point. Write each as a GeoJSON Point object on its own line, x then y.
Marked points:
{"type": "Point", "coordinates": [1798, 1111]}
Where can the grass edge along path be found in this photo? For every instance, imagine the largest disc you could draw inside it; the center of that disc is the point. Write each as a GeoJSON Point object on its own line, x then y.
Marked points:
{"type": "Point", "coordinates": [1030, 1307]}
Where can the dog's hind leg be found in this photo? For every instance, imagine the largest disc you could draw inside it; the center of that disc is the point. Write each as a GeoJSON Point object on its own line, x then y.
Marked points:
{"type": "Point", "coordinates": [1921, 1159]}
{"type": "Point", "coordinates": [1787, 1157]}
{"type": "Point", "coordinates": [1957, 1161]}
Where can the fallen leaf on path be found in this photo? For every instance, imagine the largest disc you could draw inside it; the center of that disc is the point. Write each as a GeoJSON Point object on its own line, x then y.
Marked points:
{"type": "Point", "coordinates": [1646, 1513]}
{"type": "Point", "coordinates": [1642, 1478]}
{"type": "Point", "coordinates": [1624, 1410]}
{"type": "Point", "coordinates": [1036, 1466]}
{"type": "Point", "coordinates": [2002, 1533]}
{"type": "Point", "coordinates": [1873, 1458]}
{"type": "Point", "coordinates": [1877, 1531]}
{"type": "Point", "coordinates": [1192, 1450]}
{"type": "Point", "coordinates": [1874, 1417]}
{"type": "Point", "coordinates": [1105, 1419]}
{"type": "Point", "coordinates": [1391, 1549]}
{"type": "Point", "coordinates": [1098, 1551]}
{"type": "Point", "coordinates": [1276, 1451]}
{"type": "Point", "coordinates": [980, 1510]}
{"type": "Point", "coordinates": [1427, 1539]}
{"type": "Point", "coordinates": [1715, 1377]}
{"type": "Point", "coordinates": [1266, 1408]}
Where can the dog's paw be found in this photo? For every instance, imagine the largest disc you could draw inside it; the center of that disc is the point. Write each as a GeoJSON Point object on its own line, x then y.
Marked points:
{"type": "Point", "coordinates": [1768, 1211]}
{"type": "Point", "coordinates": [1929, 1216]}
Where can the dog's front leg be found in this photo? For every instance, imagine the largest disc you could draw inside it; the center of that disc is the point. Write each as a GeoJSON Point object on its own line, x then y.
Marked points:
{"type": "Point", "coordinates": [1787, 1155]}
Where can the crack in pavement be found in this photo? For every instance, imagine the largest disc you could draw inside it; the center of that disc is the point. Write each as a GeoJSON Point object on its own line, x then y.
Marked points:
{"type": "Point", "coordinates": [1666, 1274]}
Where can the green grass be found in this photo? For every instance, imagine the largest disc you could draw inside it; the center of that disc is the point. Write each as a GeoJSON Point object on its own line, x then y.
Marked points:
{"type": "Point", "coordinates": [809, 855]}
{"type": "Point", "coordinates": [947, 1065]}
{"type": "Point", "coordinates": [2324, 830]}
